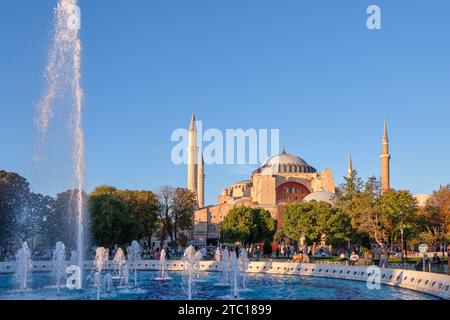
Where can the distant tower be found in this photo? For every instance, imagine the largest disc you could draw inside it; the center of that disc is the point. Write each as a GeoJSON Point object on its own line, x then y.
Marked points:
{"type": "Point", "coordinates": [192, 157]}
{"type": "Point", "coordinates": [200, 181]}
{"type": "Point", "coordinates": [350, 167]}
{"type": "Point", "coordinates": [385, 157]}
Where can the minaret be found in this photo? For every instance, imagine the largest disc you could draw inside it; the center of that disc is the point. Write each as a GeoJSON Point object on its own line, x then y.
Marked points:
{"type": "Point", "coordinates": [350, 167]}
{"type": "Point", "coordinates": [385, 157]}
{"type": "Point", "coordinates": [200, 181]}
{"type": "Point", "coordinates": [192, 157]}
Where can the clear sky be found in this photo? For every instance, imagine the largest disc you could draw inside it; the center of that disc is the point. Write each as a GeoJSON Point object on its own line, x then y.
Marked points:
{"type": "Point", "coordinates": [309, 68]}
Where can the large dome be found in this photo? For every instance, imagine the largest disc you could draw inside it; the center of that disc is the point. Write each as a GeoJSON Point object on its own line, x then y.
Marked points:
{"type": "Point", "coordinates": [285, 162]}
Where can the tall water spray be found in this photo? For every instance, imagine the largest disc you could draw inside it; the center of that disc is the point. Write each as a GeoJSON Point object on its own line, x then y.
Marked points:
{"type": "Point", "coordinates": [64, 95]}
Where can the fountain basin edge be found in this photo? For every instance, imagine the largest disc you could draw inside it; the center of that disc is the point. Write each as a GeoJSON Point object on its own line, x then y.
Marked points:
{"type": "Point", "coordinates": [431, 283]}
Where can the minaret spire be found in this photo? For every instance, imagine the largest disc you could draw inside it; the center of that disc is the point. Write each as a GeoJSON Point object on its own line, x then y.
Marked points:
{"type": "Point", "coordinates": [201, 181]}
{"type": "Point", "coordinates": [192, 126]}
{"type": "Point", "coordinates": [385, 132]}
{"type": "Point", "coordinates": [350, 167]}
{"type": "Point", "coordinates": [192, 156]}
{"type": "Point", "coordinates": [385, 158]}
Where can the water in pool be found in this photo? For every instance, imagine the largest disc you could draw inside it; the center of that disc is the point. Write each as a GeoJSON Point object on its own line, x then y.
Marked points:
{"type": "Point", "coordinates": [209, 287]}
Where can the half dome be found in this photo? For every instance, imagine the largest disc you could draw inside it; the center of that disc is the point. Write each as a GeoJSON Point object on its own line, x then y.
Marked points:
{"type": "Point", "coordinates": [325, 196]}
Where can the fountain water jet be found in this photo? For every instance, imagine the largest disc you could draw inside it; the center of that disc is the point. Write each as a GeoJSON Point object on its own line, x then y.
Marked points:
{"type": "Point", "coordinates": [225, 264]}
{"type": "Point", "coordinates": [59, 264]}
{"type": "Point", "coordinates": [218, 254]}
{"type": "Point", "coordinates": [234, 264]}
{"type": "Point", "coordinates": [101, 261]}
{"type": "Point", "coordinates": [63, 75]}
{"type": "Point", "coordinates": [119, 261]}
{"type": "Point", "coordinates": [134, 251]}
{"type": "Point", "coordinates": [23, 266]}
{"type": "Point", "coordinates": [198, 257]}
{"type": "Point", "coordinates": [243, 257]}
{"type": "Point", "coordinates": [162, 263]}
{"type": "Point", "coordinates": [190, 261]}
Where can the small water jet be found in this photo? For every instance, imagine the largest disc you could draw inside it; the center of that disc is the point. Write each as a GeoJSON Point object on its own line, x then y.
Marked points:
{"type": "Point", "coordinates": [101, 261]}
{"type": "Point", "coordinates": [119, 262]}
{"type": "Point", "coordinates": [134, 255]}
{"type": "Point", "coordinates": [162, 264]}
{"type": "Point", "coordinates": [225, 265]}
{"type": "Point", "coordinates": [107, 284]}
{"type": "Point", "coordinates": [198, 257]}
{"type": "Point", "coordinates": [23, 266]}
{"type": "Point", "coordinates": [234, 266]}
{"type": "Point", "coordinates": [59, 264]}
{"type": "Point", "coordinates": [218, 254]}
{"type": "Point", "coordinates": [190, 261]}
{"type": "Point", "coordinates": [243, 257]}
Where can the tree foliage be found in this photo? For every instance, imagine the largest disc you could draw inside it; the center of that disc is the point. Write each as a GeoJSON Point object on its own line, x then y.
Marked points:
{"type": "Point", "coordinates": [313, 219]}
{"type": "Point", "coordinates": [175, 209]}
{"type": "Point", "coordinates": [248, 226]}
{"type": "Point", "coordinates": [110, 222]}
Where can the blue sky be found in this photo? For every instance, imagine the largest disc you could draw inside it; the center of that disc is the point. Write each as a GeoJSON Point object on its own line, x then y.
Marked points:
{"type": "Point", "coordinates": [310, 68]}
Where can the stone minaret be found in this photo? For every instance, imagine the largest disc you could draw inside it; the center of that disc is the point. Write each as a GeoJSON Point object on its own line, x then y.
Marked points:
{"type": "Point", "coordinates": [350, 167]}
{"type": "Point", "coordinates": [385, 157]}
{"type": "Point", "coordinates": [192, 157]}
{"type": "Point", "coordinates": [200, 181]}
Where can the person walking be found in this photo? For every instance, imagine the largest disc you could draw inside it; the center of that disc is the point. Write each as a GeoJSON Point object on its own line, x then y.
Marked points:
{"type": "Point", "coordinates": [384, 257]}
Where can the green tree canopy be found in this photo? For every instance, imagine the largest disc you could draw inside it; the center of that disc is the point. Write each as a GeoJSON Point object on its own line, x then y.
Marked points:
{"type": "Point", "coordinates": [313, 219]}
{"type": "Point", "coordinates": [399, 212]}
{"type": "Point", "coordinates": [110, 222]}
{"type": "Point", "coordinates": [248, 226]}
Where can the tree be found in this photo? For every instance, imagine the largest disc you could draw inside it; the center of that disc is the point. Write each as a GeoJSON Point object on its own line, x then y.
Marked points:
{"type": "Point", "coordinates": [435, 216]}
{"type": "Point", "coordinates": [366, 212]}
{"type": "Point", "coordinates": [33, 217]}
{"type": "Point", "coordinates": [313, 219]}
{"type": "Point", "coordinates": [248, 226]}
{"type": "Point", "coordinates": [14, 198]}
{"type": "Point", "coordinates": [398, 209]}
{"type": "Point", "coordinates": [165, 205]}
{"type": "Point", "coordinates": [175, 211]}
{"type": "Point", "coordinates": [143, 207]}
{"type": "Point", "coordinates": [60, 222]}
{"type": "Point", "coordinates": [183, 210]}
{"type": "Point", "coordinates": [139, 206]}
{"type": "Point", "coordinates": [110, 222]}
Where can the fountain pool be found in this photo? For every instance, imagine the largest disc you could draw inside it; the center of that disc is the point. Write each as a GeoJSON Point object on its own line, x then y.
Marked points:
{"type": "Point", "coordinates": [260, 287]}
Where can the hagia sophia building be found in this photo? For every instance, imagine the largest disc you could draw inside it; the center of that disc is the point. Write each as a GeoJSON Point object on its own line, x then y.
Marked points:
{"type": "Point", "coordinates": [282, 179]}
